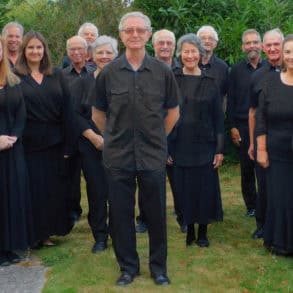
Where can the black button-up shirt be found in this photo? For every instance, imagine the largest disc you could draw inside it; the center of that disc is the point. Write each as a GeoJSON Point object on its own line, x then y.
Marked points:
{"type": "Point", "coordinates": [135, 103]}
{"type": "Point", "coordinates": [239, 91]}
{"type": "Point", "coordinates": [257, 82]}
{"type": "Point", "coordinates": [219, 70]}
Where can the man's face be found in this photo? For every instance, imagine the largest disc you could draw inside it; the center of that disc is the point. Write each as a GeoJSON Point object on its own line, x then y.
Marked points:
{"type": "Point", "coordinates": [13, 39]}
{"type": "Point", "coordinates": [76, 51]}
{"type": "Point", "coordinates": [272, 47]}
{"type": "Point", "coordinates": [134, 34]}
{"type": "Point", "coordinates": [251, 46]}
{"type": "Point", "coordinates": [89, 35]}
{"type": "Point", "coordinates": [164, 47]}
{"type": "Point", "coordinates": [208, 41]}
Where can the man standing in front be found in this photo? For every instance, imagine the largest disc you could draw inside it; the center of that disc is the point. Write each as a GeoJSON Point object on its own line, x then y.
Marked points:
{"type": "Point", "coordinates": [139, 96]}
{"type": "Point", "coordinates": [237, 113]}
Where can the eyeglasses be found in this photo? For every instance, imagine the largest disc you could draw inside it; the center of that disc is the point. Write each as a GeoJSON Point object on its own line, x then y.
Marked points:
{"type": "Point", "coordinates": [210, 39]}
{"type": "Point", "coordinates": [138, 30]}
{"type": "Point", "coordinates": [76, 49]}
{"type": "Point", "coordinates": [163, 43]}
{"type": "Point", "coordinates": [251, 43]}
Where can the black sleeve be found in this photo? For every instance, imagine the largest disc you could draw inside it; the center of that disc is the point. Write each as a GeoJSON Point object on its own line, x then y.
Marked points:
{"type": "Point", "coordinates": [20, 114]}
{"type": "Point", "coordinates": [172, 91]}
{"type": "Point", "coordinates": [261, 115]}
{"type": "Point", "coordinates": [101, 93]}
{"type": "Point", "coordinates": [231, 98]}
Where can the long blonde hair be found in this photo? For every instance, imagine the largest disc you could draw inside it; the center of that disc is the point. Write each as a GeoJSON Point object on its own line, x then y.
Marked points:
{"type": "Point", "coordinates": [6, 75]}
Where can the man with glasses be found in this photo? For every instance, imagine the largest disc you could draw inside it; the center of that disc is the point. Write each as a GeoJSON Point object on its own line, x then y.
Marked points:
{"type": "Point", "coordinates": [237, 113]}
{"type": "Point", "coordinates": [139, 96]}
{"type": "Point", "coordinates": [210, 63]}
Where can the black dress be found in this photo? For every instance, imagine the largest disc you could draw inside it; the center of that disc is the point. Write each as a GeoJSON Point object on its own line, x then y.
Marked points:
{"type": "Point", "coordinates": [198, 137]}
{"type": "Point", "coordinates": [46, 141]}
{"type": "Point", "coordinates": [275, 119]}
{"type": "Point", "coordinates": [15, 209]}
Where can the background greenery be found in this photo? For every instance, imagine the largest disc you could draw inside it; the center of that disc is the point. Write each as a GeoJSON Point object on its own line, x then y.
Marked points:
{"type": "Point", "coordinates": [233, 263]}
{"type": "Point", "coordinates": [60, 19]}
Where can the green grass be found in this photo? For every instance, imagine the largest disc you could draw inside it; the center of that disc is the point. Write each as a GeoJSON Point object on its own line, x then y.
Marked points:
{"type": "Point", "coordinates": [233, 263]}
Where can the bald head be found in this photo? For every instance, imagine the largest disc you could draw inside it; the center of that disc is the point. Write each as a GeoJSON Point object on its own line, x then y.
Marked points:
{"type": "Point", "coordinates": [77, 50]}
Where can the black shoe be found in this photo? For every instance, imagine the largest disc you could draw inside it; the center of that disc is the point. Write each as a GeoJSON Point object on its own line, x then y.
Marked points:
{"type": "Point", "coordinates": [13, 257]}
{"type": "Point", "coordinates": [190, 236]}
{"type": "Point", "coordinates": [141, 227]}
{"type": "Point", "coordinates": [203, 242]}
{"type": "Point", "coordinates": [99, 247]}
{"type": "Point", "coordinates": [250, 213]}
{"type": "Point", "coordinates": [161, 280]}
{"type": "Point", "coordinates": [258, 233]}
{"type": "Point", "coordinates": [280, 252]}
{"type": "Point", "coordinates": [125, 279]}
{"type": "Point", "coordinates": [4, 261]}
{"type": "Point", "coordinates": [183, 228]}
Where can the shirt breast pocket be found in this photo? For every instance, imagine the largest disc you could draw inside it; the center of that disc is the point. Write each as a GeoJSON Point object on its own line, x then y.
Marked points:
{"type": "Point", "coordinates": [153, 100]}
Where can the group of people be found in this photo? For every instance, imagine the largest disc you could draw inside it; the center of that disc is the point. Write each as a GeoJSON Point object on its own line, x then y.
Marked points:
{"type": "Point", "coordinates": [124, 121]}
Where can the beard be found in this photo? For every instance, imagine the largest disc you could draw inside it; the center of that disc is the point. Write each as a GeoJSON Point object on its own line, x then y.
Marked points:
{"type": "Point", "coordinates": [253, 54]}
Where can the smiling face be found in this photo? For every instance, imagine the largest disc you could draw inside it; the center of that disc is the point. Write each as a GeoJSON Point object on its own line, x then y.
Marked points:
{"type": "Point", "coordinates": [34, 51]}
{"type": "Point", "coordinates": [134, 34]}
{"type": "Point", "coordinates": [13, 39]}
{"type": "Point", "coordinates": [164, 47]}
{"type": "Point", "coordinates": [76, 50]}
{"type": "Point", "coordinates": [288, 55]}
{"type": "Point", "coordinates": [89, 34]}
{"type": "Point", "coordinates": [103, 55]}
{"type": "Point", "coordinates": [272, 47]}
{"type": "Point", "coordinates": [208, 41]}
{"type": "Point", "coordinates": [190, 56]}
{"type": "Point", "coordinates": [252, 46]}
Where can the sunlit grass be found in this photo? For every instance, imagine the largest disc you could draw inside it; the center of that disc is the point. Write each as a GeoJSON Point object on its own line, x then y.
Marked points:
{"type": "Point", "coordinates": [233, 263]}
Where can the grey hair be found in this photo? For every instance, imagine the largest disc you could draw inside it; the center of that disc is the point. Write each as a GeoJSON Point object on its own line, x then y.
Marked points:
{"type": "Point", "coordinates": [210, 29]}
{"type": "Point", "coordinates": [135, 14]}
{"type": "Point", "coordinates": [85, 25]}
{"type": "Point", "coordinates": [275, 31]}
{"type": "Point", "coordinates": [106, 40]}
{"type": "Point", "coordinates": [190, 39]}
{"type": "Point", "coordinates": [79, 38]}
{"type": "Point", "coordinates": [10, 24]}
{"type": "Point", "coordinates": [249, 32]}
{"type": "Point", "coordinates": [166, 32]}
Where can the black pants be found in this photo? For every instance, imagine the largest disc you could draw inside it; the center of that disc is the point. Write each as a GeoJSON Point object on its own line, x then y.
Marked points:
{"type": "Point", "coordinates": [247, 167]}
{"type": "Point", "coordinates": [122, 187]}
{"type": "Point", "coordinates": [74, 172]}
{"type": "Point", "coordinates": [261, 199]}
{"type": "Point", "coordinates": [176, 200]}
{"type": "Point", "coordinates": [96, 187]}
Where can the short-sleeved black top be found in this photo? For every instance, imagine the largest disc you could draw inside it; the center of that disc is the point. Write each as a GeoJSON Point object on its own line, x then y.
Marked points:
{"type": "Point", "coordinates": [135, 103]}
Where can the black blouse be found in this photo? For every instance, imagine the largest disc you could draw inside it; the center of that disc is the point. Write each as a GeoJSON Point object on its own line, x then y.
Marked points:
{"type": "Point", "coordinates": [200, 131]}
{"type": "Point", "coordinates": [274, 118]}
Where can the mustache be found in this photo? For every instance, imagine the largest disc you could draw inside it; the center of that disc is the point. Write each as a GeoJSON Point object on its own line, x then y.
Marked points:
{"type": "Point", "coordinates": [165, 50]}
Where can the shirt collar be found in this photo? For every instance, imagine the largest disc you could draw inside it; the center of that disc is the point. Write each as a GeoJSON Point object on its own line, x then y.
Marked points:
{"type": "Point", "coordinates": [145, 63]}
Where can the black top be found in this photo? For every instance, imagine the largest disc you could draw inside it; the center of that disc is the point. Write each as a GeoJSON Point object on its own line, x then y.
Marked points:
{"type": "Point", "coordinates": [239, 91]}
{"type": "Point", "coordinates": [135, 103]}
{"type": "Point", "coordinates": [257, 80]}
{"type": "Point", "coordinates": [12, 109]}
{"type": "Point", "coordinates": [200, 131]}
{"type": "Point", "coordinates": [49, 112]}
{"type": "Point", "coordinates": [67, 62]}
{"type": "Point", "coordinates": [274, 117]}
{"type": "Point", "coordinates": [219, 70]}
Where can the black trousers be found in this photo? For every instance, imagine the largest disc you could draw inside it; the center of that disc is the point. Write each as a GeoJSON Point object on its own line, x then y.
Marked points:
{"type": "Point", "coordinates": [96, 187]}
{"type": "Point", "coordinates": [122, 187]}
{"type": "Point", "coordinates": [176, 199]}
{"type": "Point", "coordinates": [261, 198]}
{"type": "Point", "coordinates": [74, 172]}
{"type": "Point", "coordinates": [247, 167]}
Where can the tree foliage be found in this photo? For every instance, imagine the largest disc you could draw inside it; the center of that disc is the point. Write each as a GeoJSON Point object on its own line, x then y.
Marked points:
{"type": "Point", "coordinates": [230, 18]}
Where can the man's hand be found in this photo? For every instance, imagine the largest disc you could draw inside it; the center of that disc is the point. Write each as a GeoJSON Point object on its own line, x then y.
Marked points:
{"type": "Point", "coordinates": [235, 135]}
{"type": "Point", "coordinates": [7, 142]}
{"type": "Point", "coordinates": [218, 160]}
{"type": "Point", "coordinates": [251, 152]}
{"type": "Point", "coordinates": [169, 161]}
{"type": "Point", "coordinates": [97, 141]}
{"type": "Point", "coordinates": [263, 158]}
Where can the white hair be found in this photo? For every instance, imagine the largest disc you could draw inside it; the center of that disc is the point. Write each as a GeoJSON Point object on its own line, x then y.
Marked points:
{"type": "Point", "coordinates": [135, 14]}
{"type": "Point", "coordinates": [157, 34]}
{"type": "Point", "coordinates": [106, 40]}
{"type": "Point", "coordinates": [88, 25]}
{"type": "Point", "coordinates": [210, 29]}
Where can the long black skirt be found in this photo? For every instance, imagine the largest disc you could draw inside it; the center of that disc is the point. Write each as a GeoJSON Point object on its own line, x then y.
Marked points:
{"type": "Point", "coordinates": [278, 231]}
{"type": "Point", "coordinates": [199, 192]}
{"type": "Point", "coordinates": [16, 226]}
{"type": "Point", "coordinates": [49, 184]}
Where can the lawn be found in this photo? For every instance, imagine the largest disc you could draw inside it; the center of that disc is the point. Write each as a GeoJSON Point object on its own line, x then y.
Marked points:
{"type": "Point", "coordinates": [233, 262]}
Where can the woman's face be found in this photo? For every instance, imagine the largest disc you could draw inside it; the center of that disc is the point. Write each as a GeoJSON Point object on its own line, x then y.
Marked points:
{"type": "Point", "coordinates": [103, 55]}
{"type": "Point", "coordinates": [34, 51]}
{"type": "Point", "coordinates": [288, 55]}
{"type": "Point", "coordinates": [190, 56]}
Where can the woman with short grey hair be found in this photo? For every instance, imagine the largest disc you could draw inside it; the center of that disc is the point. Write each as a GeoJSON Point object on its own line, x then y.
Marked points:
{"type": "Point", "coordinates": [197, 147]}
